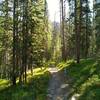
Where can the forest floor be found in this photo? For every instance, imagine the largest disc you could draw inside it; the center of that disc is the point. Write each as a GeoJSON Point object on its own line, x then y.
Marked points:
{"type": "Point", "coordinates": [72, 81]}
{"type": "Point", "coordinates": [83, 79]}
{"type": "Point", "coordinates": [67, 81]}
{"type": "Point", "coordinates": [34, 89]}
{"type": "Point", "coordinates": [58, 86]}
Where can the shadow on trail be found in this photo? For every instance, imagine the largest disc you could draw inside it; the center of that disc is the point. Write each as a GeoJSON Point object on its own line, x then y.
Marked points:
{"type": "Point", "coordinates": [85, 78]}
{"type": "Point", "coordinates": [58, 86]}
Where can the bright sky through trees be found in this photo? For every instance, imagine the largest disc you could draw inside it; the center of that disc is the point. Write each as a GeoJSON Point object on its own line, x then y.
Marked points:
{"type": "Point", "coordinates": [53, 7]}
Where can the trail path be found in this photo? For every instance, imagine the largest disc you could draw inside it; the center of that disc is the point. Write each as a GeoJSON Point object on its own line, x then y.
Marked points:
{"type": "Point", "coordinates": [58, 86]}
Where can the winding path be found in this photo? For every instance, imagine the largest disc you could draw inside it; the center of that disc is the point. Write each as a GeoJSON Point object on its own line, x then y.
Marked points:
{"type": "Point", "coordinates": [58, 86]}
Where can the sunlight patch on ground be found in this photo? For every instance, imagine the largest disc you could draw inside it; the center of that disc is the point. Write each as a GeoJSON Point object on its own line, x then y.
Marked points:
{"type": "Point", "coordinates": [36, 72]}
{"type": "Point", "coordinates": [75, 97]}
{"type": "Point", "coordinates": [64, 65]}
{"type": "Point", "coordinates": [36, 86]}
{"type": "Point", "coordinates": [4, 83]}
{"type": "Point", "coordinates": [64, 86]}
{"type": "Point", "coordinates": [53, 70]}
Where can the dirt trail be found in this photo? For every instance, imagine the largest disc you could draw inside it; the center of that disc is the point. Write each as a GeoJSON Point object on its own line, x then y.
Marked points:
{"type": "Point", "coordinates": [58, 86]}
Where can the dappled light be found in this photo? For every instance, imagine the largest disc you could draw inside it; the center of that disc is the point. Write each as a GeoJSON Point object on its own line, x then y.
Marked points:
{"type": "Point", "coordinates": [20, 92]}
{"type": "Point", "coordinates": [49, 49]}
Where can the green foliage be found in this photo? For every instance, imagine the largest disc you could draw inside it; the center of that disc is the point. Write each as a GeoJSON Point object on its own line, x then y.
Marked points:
{"type": "Point", "coordinates": [35, 89]}
{"type": "Point", "coordinates": [84, 78]}
{"type": "Point", "coordinates": [30, 41]}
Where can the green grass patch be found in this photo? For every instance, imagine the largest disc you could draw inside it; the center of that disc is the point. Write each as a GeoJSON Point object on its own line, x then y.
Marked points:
{"type": "Point", "coordinates": [85, 78]}
{"type": "Point", "coordinates": [35, 89]}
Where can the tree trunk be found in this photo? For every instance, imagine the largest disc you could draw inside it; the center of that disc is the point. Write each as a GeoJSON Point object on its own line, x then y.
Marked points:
{"type": "Point", "coordinates": [62, 31]}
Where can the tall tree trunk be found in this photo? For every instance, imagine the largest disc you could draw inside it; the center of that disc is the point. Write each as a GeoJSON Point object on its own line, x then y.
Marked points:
{"type": "Point", "coordinates": [25, 35]}
{"type": "Point", "coordinates": [62, 31]}
{"type": "Point", "coordinates": [14, 44]}
{"type": "Point", "coordinates": [78, 27]}
{"type": "Point", "coordinates": [86, 42]}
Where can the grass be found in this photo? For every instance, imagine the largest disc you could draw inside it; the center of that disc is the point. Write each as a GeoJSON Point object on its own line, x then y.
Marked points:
{"type": "Point", "coordinates": [84, 81]}
{"type": "Point", "coordinates": [85, 78]}
{"type": "Point", "coordinates": [35, 89]}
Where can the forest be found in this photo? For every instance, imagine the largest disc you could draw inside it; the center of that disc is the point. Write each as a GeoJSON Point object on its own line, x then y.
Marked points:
{"type": "Point", "coordinates": [42, 59]}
